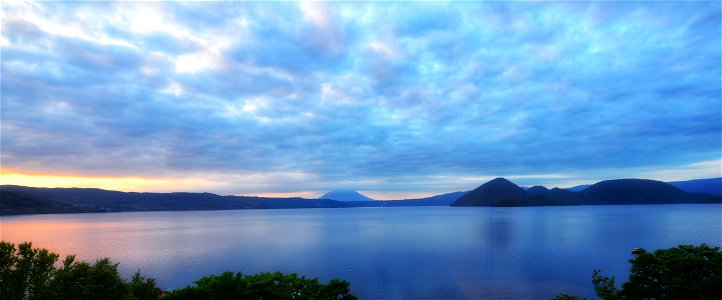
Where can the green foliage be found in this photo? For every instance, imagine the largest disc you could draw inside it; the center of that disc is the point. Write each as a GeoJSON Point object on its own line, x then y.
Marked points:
{"type": "Point", "coordinates": [27, 273]}
{"type": "Point", "coordinates": [81, 280]}
{"type": "Point", "coordinates": [682, 272]}
{"type": "Point", "coordinates": [567, 297]}
{"type": "Point", "coordinates": [144, 288]}
{"type": "Point", "coordinates": [262, 286]}
{"type": "Point", "coordinates": [24, 272]}
{"type": "Point", "coordinates": [604, 286]}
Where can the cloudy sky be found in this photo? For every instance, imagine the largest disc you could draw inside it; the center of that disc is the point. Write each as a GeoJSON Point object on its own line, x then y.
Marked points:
{"type": "Point", "coordinates": [394, 99]}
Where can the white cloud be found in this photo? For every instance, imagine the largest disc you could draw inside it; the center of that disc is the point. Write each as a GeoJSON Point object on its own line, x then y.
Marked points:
{"type": "Point", "coordinates": [363, 95]}
{"type": "Point", "coordinates": [697, 170]}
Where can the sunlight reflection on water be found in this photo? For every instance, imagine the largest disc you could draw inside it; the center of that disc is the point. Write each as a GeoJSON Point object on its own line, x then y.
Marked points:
{"type": "Point", "coordinates": [411, 252]}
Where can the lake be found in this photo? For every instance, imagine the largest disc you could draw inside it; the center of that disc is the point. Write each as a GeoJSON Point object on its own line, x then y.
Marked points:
{"type": "Point", "coordinates": [385, 253]}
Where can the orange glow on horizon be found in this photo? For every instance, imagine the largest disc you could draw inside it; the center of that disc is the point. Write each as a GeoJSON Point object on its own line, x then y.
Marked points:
{"type": "Point", "coordinates": [126, 184]}
{"type": "Point", "coordinates": [144, 184]}
{"type": "Point", "coordinates": [305, 195]}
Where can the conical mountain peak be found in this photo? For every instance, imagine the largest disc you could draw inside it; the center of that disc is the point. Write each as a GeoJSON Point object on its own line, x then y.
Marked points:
{"type": "Point", "coordinates": [345, 195]}
{"type": "Point", "coordinates": [497, 192]}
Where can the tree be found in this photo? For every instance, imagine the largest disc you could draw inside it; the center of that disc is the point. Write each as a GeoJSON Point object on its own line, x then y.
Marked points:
{"type": "Point", "coordinates": [144, 288]}
{"type": "Point", "coordinates": [262, 286]}
{"type": "Point", "coordinates": [24, 272]}
{"type": "Point", "coordinates": [27, 273]}
{"type": "Point", "coordinates": [682, 272]}
{"type": "Point", "coordinates": [81, 280]}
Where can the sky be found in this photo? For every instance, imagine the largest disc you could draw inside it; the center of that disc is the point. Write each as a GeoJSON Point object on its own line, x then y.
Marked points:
{"type": "Point", "coordinates": [396, 100]}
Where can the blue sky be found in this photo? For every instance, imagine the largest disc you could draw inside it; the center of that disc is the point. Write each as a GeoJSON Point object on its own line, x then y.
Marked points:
{"type": "Point", "coordinates": [393, 99]}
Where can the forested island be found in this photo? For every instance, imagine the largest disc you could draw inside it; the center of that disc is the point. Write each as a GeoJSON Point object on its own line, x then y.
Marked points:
{"type": "Point", "coordinates": [502, 192]}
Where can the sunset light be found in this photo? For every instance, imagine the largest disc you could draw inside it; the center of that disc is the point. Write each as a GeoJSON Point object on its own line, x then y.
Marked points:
{"type": "Point", "coordinates": [361, 149]}
{"type": "Point", "coordinates": [130, 184]}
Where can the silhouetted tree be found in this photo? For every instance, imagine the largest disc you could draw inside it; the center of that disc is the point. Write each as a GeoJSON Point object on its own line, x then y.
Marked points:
{"type": "Point", "coordinates": [27, 273]}
{"type": "Point", "coordinates": [262, 286]}
{"type": "Point", "coordinates": [682, 272]}
{"type": "Point", "coordinates": [81, 280]}
{"type": "Point", "coordinates": [144, 288]}
{"type": "Point", "coordinates": [24, 271]}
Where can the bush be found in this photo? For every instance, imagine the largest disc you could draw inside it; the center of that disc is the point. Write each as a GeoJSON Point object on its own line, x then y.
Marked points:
{"type": "Point", "coordinates": [27, 273]}
{"type": "Point", "coordinates": [682, 272]}
{"type": "Point", "coordinates": [262, 286]}
{"type": "Point", "coordinates": [24, 272]}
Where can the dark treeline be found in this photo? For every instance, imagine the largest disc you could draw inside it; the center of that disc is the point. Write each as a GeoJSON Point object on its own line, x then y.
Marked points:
{"type": "Point", "coordinates": [682, 272]}
{"type": "Point", "coordinates": [18, 200]}
{"type": "Point", "coordinates": [31, 273]}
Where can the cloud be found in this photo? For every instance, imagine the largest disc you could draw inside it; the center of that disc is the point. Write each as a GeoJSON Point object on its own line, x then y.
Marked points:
{"type": "Point", "coordinates": [382, 97]}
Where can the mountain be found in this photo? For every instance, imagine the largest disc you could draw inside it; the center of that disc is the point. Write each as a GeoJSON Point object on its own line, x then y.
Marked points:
{"type": "Point", "coordinates": [501, 192]}
{"type": "Point", "coordinates": [443, 199]}
{"type": "Point", "coordinates": [497, 192]}
{"type": "Point", "coordinates": [556, 196]}
{"type": "Point", "coordinates": [712, 186]}
{"type": "Point", "coordinates": [65, 200]}
{"type": "Point", "coordinates": [578, 188]}
{"type": "Point", "coordinates": [345, 196]}
{"type": "Point", "coordinates": [635, 191]}
{"type": "Point", "coordinates": [562, 195]}
{"type": "Point", "coordinates": [438, 200]}
{"type": "Point", "coordinates": [16, 203]}
{"type": "Point", "coordinates": [537, 190]}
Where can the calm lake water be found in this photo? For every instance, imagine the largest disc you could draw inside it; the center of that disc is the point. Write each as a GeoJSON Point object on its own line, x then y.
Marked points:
{"type": "Point", "coordinates": [386, 253]}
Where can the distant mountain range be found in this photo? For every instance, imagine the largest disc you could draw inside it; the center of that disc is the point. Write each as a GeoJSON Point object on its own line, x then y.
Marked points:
{"type": "Point", "coordinates": [357, 199]}
{"type": "Point", "coordinates": [502, 192]}
{"type": "Point", "coordinates": [578, 188]}
{"type": "Point", "coordinates": [28, 200]}
{"type": "Point", "coordinates": [438, 200]}
{"type": "Point", "coordinates": [703, 186]}
{"type": "Point", "coordinates": [711, 186]}
{"type": "Point", "coordinates": [16, 200]}
{"type": "Point", "coordinates": [345, 196]}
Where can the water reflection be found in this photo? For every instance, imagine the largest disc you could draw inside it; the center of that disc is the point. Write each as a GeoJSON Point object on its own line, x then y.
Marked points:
{"type": "Point", "coordinates": [414, 252]}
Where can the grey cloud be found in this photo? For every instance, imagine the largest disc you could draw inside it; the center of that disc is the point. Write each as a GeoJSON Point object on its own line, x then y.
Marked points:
{"type": "Point", "coordinates": [461, 89]}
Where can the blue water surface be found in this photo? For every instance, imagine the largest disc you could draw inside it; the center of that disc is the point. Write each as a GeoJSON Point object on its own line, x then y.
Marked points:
{"type": "Point", "coordinates": [385, 253]}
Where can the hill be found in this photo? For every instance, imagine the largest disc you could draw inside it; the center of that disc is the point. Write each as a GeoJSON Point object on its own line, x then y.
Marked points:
{"type": "Point", "coordinates": [66, 200]}
{"type": "Point", "coordinates": [578, 188]}
{"type": "Point", "coordinates": [501, 192]}
{"type": "Point", "coordinates": [30, 200]}
{"type": "Point", "coordinates": [537, 190]}
{"type": "Point", "coordinates": [17, 203]}
{"type": "Point", "coordinates": [438, 200]}
{"type": "Point", "coordinates": [635, 191]}
{"type": "Point", "coordinates": [343, 195]}
{"type": "Point", "coordinates": [555, 196]}
{"type": "Point", "coordinates": [497, 192]}
{"type": "Point", "coordinates": [712, 186]}
{"type": "Point", "coordinates": [443, 199]}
